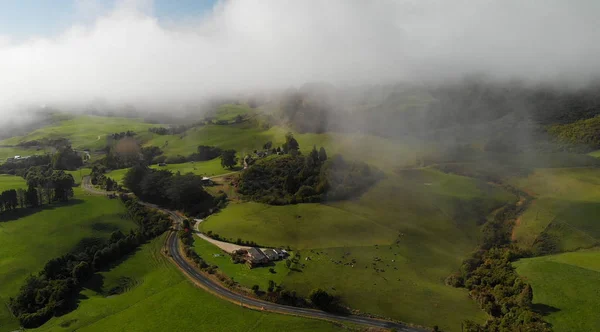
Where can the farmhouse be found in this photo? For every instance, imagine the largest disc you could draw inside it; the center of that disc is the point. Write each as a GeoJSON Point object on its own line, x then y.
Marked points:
{"type": "Point", "coordinates": [206, 181]}
{"type": "Point", "coordinates": [271, 254]}
{"type": "Point", "coordinates": [256, 257]}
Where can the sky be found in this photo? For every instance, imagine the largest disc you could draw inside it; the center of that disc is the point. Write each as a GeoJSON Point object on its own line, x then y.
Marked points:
{"type": "Point", "coordinates": [22, 19]}
{"type": "Point", "coordinates": [161, 52]}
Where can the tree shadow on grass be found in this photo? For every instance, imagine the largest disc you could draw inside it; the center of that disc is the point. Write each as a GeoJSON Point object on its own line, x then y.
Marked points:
{"type": "Point", "coordinates": [21, 213]}
{"type": "Point", "coordinates": [544, 309]}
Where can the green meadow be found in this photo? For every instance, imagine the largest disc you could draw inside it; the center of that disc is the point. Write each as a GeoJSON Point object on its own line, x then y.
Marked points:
{"type": "Point", "coordinates": [229, 112]}
{"type": "Point", "coordinates": [566, 205]}
{"type": "Point", "coordinates": [85, 131]}
{"type": "Point", "coordinates": [11, 152]}
{"type": "Point", "coordinates": [29, 238]}
{"type": "Point", "coordinates": [11, 182]}
{"type": "Point", "coordinates": [240, 273]}
{"type": "Point", "coordinates": [246, 137]}
{"type": "Point", "coordinates": [159, 297]}
{"type": "Point", "coordinates": [566, 288]}
{"type": "Point", "coordinates": [405, 235]}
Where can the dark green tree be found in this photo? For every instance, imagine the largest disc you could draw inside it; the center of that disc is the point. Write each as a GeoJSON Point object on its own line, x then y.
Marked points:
{"type": "Point", "coordinates": [322, 154]}
{"type": "Point", "coordinates": [134, 176]}
{"type": "Point", "coordinates": [228, 159]}
{"type": "Point", "coordinates": [31, 197]}
{"type": "Point", "coordinates": [290, 146]}
{"type": "Point", "coordinates": [321, 299]}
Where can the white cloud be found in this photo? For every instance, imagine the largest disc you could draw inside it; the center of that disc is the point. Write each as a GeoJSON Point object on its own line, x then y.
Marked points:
{"type": "Point", "coordinates": [126, 55]}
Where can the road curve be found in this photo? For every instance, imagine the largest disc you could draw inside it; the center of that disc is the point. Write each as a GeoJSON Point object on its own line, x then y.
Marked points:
{"type": "Point", "coordinates": [223, 292]}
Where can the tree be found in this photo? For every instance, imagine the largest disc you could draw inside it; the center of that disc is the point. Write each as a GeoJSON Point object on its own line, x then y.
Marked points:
{"type": "Point", "coordinates": [134, 176]}
{"type": "Point", "coordinates": [288, 263]}
{"type": "Point", "coordinates": [66, 159]}
{"type": "Point", "coordinates": [228, 159]}
{"type": "Point", "coordinates": [31, 197]}
{"type": "Point", "coordinates": [321, 299]}
{"type": "Point", "coordinates": [322, 154]}
{"type": "Point", "coordinates": [290, 146]}
{"type": "Point", "coordinates": [149, 153]}
{"type": "Point", "coordinates": [255, 288]}
{"type": "Point", "coordinates": [268, 145]}
{"type": "Point", "coordinates": [238, 119]}
{"type": "Point", "coordinates": [271, 285]}
{"type": "Point", "coordinates": [21, 197]}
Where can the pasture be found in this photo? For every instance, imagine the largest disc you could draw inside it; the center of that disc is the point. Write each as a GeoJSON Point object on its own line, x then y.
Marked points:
{"type": "Point", "coordinates": [41, 234]}
{"type": "Point", "coordinates": [85, 131]}
{"type": "Point", "coordinates": [12, 151]}
{"type": "Point", "coordinates": [8, 181]}
{"type": "Point", "coordinates": [228, 112]}
{"type": "Point", "coordinates": [240, 273]}
{"type": "Point", "coordinates": [565, 206]}
{"type": "Point", "coordinates": [423, 219]}
{"type": "Point", "coordinates": [565, 288]}
{"type": "Point", "coordinates": [157, 294]}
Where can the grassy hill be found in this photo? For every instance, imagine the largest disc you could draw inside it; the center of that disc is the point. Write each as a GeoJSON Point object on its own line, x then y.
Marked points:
{"type": "Point", "coordinates": [565, 286]}
{"type": "Point", "coordinates": [229, 112]}
{"type": "Point", "coordinates": [565, 207]}
{"type": "Point", "coordinates": [84, 131]}
{"type": "Point", "coordinates": [158, 296]}
{"type": "Point", "coordinates": [406, 235]}
{"type": "Point", "coordinates": [583, 133]}
{"type": "Point", "coordinates": [37, 236]}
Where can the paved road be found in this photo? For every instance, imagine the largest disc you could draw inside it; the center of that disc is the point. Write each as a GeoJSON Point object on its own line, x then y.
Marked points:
{"type": "Point", "coordinates": [216, 288]}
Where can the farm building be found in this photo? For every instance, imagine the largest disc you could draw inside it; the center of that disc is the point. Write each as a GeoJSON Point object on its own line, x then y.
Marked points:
{"type": "Point", "coordinates": [271, 254]}
{"type": "Point", "coordinates": [256, 257]}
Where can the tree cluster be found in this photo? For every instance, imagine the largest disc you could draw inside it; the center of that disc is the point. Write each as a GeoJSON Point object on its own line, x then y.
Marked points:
{"type": "Point", "coordinates": [492, 281]}
{"type": "Point", "coordinates": [98, 178]}
{"type": "Point", "coordinates": [53, 291]}
{"type": "Point", "coordinates": [291, 179]}
{"type": "Point", "coordinates": [175, 130]}
{"type": "Point", "coordinates": [175, 191]}
{"type": "Point", "coordinates": [19, 167]}
{"type": "Point", "coordinates": [66, 159]}
{"type": "Point", "coordinates": [203, 153]}
{"type": "Point", "coordinates": [121, 135]}
{"type": "Point", "coordinates": [50, 185]}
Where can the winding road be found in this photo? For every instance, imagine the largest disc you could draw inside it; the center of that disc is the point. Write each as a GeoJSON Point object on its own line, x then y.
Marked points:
{"type": "Point", "coordinates": [217, 289]}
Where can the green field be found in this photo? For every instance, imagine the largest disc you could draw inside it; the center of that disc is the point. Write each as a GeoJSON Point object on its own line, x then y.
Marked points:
{"type": "Point", "coordinates": [160, 298]}
{"type": "Point", "coordinates": [566, 205]}
{"type": "Point", "coordinates": [11, 182]}
{"type": "Point", "coordinates": [565, 286]}
{"type": "Point", "coordinates": [422, 219]}
{"type": "Point", "coordinates": [228, 112]}
{"type": "Point", "coordinates": [204, 168]}
{"type": "Point", "coordinates": [11, 152]}
{"type": "Point", "coordinates": [85, 131]}
{"type": "Point", "coordinates": [33, 239]}
{"type": "Point", "coordinates": [79, 174]}
{"type": "Point", "coordinates": [240, 273]}
{"type": "Point", "coordinates": [246, 137]}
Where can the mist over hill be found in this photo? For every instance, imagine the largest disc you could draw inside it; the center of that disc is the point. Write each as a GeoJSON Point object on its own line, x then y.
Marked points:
{"type": "Point", "coordinates": [124, 58]}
